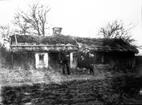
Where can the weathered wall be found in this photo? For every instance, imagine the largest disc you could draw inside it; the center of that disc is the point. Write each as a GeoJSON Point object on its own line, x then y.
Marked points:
{"type": "Point", "coordinates": [54, 60]}
{"type": "Point", "coordinates": [5, 57]}
{"type": "Point", "coordinates": [139, 64]}
{"type": "Point", "coordinates": [24, 60]}
{"type": "Point", "coordinates": [120, 59]}
{"type": "Point", "coordinates": [27, 60]}
{"type": "Point", "coordinates": [107, 60]}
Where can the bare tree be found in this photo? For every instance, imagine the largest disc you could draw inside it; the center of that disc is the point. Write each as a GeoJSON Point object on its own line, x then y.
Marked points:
{"type": "Point", "coordinates": [5, 33]}
{"type": "Point", "coordinates": [22, 25]}
{"type": "Point", "coordinates": [116, 30]}
{"type": "Point", "coordinates": [35, 19]}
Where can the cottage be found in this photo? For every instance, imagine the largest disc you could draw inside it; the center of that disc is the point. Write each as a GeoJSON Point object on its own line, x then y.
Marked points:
{"type": "Point", "coordinates": [59, 51]}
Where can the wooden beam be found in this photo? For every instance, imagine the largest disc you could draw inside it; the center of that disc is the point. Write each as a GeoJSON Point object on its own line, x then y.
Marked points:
{"type": "Point", "coordinates": [71, 60]}
{"type": "Point", "coordinates": [15, 39]}
{"type": "Point", "coordinates": [36, 60]}
{"type": "Point", "coordinates": [46, 60]}
{"type": "Point", "coordinates": [26, 45]}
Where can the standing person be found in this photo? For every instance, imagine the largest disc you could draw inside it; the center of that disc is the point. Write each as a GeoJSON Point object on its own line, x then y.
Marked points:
{"type": "Point", "coordinates": [65, 62]}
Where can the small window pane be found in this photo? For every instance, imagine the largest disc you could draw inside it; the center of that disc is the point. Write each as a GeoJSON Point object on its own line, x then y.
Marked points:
{"type": "Point", "coordinates": [41, 57]}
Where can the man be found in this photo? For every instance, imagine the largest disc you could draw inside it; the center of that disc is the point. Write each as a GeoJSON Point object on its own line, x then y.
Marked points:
{"type": "Point", "coordinates": [65, 62]}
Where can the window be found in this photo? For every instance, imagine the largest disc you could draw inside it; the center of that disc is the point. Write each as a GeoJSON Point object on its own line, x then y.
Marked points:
{"type": "Point", "coordinates": [41, 60]}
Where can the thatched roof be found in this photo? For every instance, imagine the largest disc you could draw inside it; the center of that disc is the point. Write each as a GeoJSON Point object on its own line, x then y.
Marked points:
{"type": "Point", "coordinates": [50, 40]}
{"type": "Point", "coordinates": [100, 44]}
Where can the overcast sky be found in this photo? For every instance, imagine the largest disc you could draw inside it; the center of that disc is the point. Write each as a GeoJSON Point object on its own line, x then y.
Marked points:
{"type": "Point", "coordinates": [82, 17]}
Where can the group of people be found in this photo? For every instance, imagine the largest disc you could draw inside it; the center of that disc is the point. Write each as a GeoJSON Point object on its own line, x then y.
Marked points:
{"type": "Point", "coordinates": [65, 61]}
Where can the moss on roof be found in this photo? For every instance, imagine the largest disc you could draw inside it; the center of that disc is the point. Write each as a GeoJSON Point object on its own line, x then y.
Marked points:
{"type": "Point", "coordinates": [101, 44]}
{"type": "Point", "coordinates": [57, 39]}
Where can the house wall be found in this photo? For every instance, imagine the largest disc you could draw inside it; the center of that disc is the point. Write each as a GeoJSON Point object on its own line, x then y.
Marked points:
{"type": "Point", "coordinates": [101, 59]}
{"type": "Point", "coordinates": [139, 64]}
{"type": "Point", "coordinates": [123, 59]}
{"type": "Point", "coordinates": [54, 60]}
{"type": "Point", "coordinates": [25, 60]}
{"type": "Point", "coordinates": [5, 57]}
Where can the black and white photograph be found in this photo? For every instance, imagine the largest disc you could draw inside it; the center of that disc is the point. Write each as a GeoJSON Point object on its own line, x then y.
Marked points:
{"type": "Point", "coordinates": [70, 52]}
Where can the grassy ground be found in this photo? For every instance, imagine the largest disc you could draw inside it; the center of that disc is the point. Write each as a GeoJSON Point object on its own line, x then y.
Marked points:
{"type": "Point", "coordinates": [48, 85]}
{"type": "Point", "coordinates": [18, 76]}
{"type": "Point", "coordinates": [107, 91]}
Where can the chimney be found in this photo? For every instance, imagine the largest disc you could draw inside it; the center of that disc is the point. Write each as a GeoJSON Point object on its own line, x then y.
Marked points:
{"type": "Point", "coordinates": [57, 30]}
